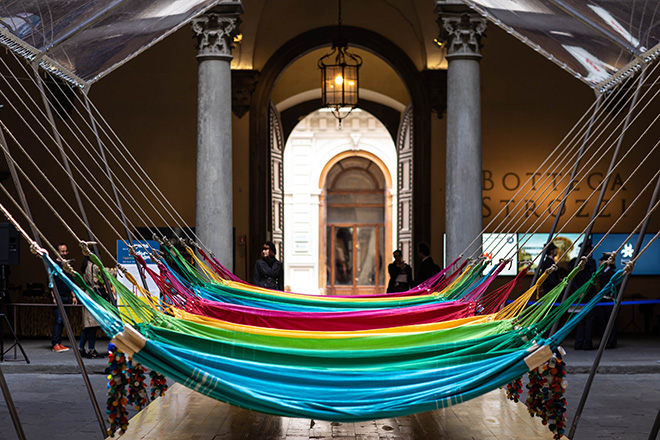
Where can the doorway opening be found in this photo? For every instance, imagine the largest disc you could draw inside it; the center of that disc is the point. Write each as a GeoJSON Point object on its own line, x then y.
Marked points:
{"type": "Point", "coordinates": [355, 227]}
{"type": "Point", "coordinates": [339, 192]}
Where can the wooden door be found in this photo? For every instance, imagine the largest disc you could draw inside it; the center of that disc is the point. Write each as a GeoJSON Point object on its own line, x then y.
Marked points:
{"type": "Point", "coordinates": [355, 259]}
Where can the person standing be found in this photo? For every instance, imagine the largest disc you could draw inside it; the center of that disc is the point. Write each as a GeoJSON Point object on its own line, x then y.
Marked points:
{"type": "Point", "coordinates": [603, 312]}
{"type": "Point", "coordinates": [268, 271]}
{"type": "Point", "coordinates": [90, 273]}
{"type": "Point", "coordinates": [400, 272]}
{"type": "Point", "coordinates": [427, 267]}
{"type": "Point", "coordinates": [584, 329]}
{"type": "Point", "coordinates": [67, 297]}
{"type": "Point", "coordinates": [547, 262]}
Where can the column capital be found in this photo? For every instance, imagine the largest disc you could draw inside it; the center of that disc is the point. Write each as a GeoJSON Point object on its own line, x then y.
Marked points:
{"type": "Point", "coordinates": [462, 33]}
{"type": "Point", "coordinates": [215, 32]}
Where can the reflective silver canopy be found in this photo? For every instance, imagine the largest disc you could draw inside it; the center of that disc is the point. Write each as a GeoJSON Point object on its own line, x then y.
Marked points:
{"type": "Point", "coordinates": [598, 41]}
{"type": "Point", "coordinates": [83, 40]}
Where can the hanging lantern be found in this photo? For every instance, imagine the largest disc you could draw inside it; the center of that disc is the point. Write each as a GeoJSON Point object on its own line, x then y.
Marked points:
{"type": "Point", "coordinates": [339, 76]}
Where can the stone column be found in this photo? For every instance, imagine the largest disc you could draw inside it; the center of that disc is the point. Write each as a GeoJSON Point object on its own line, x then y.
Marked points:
{"type": "Point", "coordinates": [462, 32]}
{"type": "Point", "coordinates": [215, 31]}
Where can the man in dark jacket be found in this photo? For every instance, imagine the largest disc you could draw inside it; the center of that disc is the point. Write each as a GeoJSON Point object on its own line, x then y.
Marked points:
{"type": "Point", "coordinates": [268, 270]}
{"type": "Point", "coordinates": [427, 267]}
{"type": "Point", "coordinates": [584, 329]}
{"type": "Point", "coordinates": [547, 262]}
{"type": "Point", "coordinates": [67, 297]}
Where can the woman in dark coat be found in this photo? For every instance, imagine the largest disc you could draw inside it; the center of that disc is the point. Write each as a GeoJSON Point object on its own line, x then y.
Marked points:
{"type": "Point", "coordinates": [268, 270]}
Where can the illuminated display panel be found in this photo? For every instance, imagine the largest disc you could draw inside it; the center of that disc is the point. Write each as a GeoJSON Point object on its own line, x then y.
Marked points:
{"type": "Point", "coordinates": [647, 264]}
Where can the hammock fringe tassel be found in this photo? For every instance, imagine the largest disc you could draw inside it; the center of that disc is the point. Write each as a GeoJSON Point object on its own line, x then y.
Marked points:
{"type": "Point", "coordinates": [127, 386]}
{"type": "Point", "coordinates": [514, 389]}
{"type": "Point", "coordinates": [117, 381]}
{"type": "Point", "coordinates": [137, 390]}
{"type": "Point", "coordinates": [158, 385]}
{"type": "Point", "coordinates": [545, 394]}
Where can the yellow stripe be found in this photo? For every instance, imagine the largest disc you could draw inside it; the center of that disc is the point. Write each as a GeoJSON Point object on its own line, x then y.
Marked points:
{"type": "Point", "coordinates": [417, 328]}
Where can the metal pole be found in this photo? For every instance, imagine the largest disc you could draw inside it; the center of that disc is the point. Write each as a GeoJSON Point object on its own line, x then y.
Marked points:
{"type": "Point", "coordinates": [56, 293]}
{"type": "Point", "coordinates": [656, 427]}
{"type": "Point", "coordinates": [604, 184]}
{"type": "Point", "coordinates": [569, 188]}
{"type": "Point", "coordinates": [615, 311]}
{"type": "Point", "coordinates": [11, 407]}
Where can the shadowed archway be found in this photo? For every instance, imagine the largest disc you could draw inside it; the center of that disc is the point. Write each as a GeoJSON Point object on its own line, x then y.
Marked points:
{"type": "Point", "coordinates": [295, 48]}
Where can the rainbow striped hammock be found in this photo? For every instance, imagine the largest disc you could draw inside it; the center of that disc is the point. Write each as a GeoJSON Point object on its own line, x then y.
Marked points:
{"type": "Point", "coordinates": [453, 287]}
{"type": "Point", "coordinates": [336, 376]}
{"type": "Point", "coordinates": [455, 301]}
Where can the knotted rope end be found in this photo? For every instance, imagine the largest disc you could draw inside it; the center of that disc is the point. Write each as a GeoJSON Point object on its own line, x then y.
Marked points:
{"type": "Point", "coordinates": [129, 341]}
{"type": "Point", "coordinates": [612, 258]}
{"type": "Point", "coordinates": [84, 246]}
{"type": "Point", "coordinates": [629, 268]}
{"type": "Point", "coordinates": [583, 262]}
{"type": "Point", "coordinates": [66, 265]}
{"type": "Point", "coordinates": [538, 357]}
{"type": "Point", "coordinates": [36, 249]}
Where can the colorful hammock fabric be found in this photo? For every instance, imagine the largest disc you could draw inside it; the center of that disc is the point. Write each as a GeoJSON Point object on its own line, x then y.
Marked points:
{"type": "Point", "coordinates": [436, 282]}
{"type": "Point", "coordinates": [339, 320]}
{"type": "Point", "coordinates": [385, 375]}
{"type": "Point", "coordinates": [239, 293]}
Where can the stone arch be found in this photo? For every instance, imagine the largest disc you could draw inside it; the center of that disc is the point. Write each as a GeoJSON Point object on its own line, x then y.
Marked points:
{"type": "Point", "coordinates": [359, 153]}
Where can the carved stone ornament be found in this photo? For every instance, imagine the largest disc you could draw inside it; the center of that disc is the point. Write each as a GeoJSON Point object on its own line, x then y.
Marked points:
{"type": "Point", "coordinates": [215, 35]}
{"type": "Point", "coordinates": [243, 83]}
{"type": "Point", "coordinates": [463, 33]}
{"type": "Point", "coordinates": [436, 86]}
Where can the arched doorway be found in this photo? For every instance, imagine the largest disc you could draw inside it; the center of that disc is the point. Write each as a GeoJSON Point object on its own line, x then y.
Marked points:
{"type": "Point", "coordinates": [261, 216]}
{"type": "Point", "coordinates": [355, 225]}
